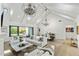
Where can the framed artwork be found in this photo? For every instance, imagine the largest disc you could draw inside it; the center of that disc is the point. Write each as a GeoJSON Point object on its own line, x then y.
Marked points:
{"type": "Point", "coordinates": [69, 29]}
{"type": "Point", "coordinates": [77, 29]}
{"type": "Point", "coordinates": [72, 29]}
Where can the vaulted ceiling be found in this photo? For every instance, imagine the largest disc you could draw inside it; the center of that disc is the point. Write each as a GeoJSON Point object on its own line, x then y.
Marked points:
{"type": "Point", "coordinates": [63, 10]}
{"type": "Point", "coordinates": [70, 10]}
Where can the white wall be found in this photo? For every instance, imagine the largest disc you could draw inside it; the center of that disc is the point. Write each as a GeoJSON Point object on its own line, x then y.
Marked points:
{"type": "Point", "coordinates": [54, 26]}
{"type": "Point", "coordinates": [1, 39]}
{"type": "Point", "coordinates": [77, 20]}
{"type": "Point", "coordinates": [58, 27]}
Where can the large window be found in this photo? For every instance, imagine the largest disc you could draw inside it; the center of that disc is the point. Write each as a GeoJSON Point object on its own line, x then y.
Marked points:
{"type": "Point", "coordinates": [13, 31]}
{"type": "Point", "coordinates": [30, 31]}
{"type": "Point", "coordinates": [20, 31]}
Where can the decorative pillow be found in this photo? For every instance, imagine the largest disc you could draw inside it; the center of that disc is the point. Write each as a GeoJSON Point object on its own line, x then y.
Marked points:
{"type": "Point", "coordinates": [46, 54]}
{"type": "Point", "coordinates": [15, 37]}
{"type": "Point", "coordinates": [40, 52]}
{"type": "Point", "coordinates": [41, 39]}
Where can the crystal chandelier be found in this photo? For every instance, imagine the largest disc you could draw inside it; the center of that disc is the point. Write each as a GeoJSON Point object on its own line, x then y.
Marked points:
{"type": "Point", "coordinates": [30, 9]}
{"type": "Point", "coordinates": [45, 23]}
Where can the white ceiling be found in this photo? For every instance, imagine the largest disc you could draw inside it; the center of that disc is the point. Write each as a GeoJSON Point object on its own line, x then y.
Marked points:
{"type": "Point", "coordinates": [66, 9]}
{"type": "Point", "coordinates": [16, 13]}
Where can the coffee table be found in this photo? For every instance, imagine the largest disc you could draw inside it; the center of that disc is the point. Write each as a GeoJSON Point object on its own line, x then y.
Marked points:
{"type": "Point", "coordinates": [18, 48]}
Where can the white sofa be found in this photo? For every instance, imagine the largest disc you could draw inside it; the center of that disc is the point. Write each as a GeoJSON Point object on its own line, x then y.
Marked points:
{"type": "Point", "coordinates": [14, 40]}
{"type": "Point", "coordinates": [36, 41]}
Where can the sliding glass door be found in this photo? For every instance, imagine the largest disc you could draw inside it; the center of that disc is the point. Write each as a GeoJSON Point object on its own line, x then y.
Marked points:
{"type": "Point", "coordinates": [13, 31]}
{"type": "Point", "coordinates": [20, 31]}
{"type": "Point", "coordinates": [31, 31]}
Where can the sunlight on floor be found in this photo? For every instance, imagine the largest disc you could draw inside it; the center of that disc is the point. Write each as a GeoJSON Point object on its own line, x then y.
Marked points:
{"type": "Point", "coordinates": [53, 47]}
{"type": "Point", "coordinates": [7, 51]}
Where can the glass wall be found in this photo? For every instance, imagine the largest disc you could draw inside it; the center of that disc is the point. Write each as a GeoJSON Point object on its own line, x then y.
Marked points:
{"type": "Point", "coordinates": [13, 31]}
{"type": "Point", "coordinates": [20, 31]}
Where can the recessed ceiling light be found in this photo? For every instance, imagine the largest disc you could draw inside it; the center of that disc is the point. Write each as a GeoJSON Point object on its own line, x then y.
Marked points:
{"type": "Point", "coordinates": [18, 16]}
{"type": "Point", "coordinates": [60, 20]}
{"type": "Point", "coordinates": [38, 20]}
{"type": "Point", "coordinates": [11, 12]}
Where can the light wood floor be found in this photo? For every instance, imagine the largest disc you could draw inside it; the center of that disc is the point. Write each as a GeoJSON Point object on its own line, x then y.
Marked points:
{"type": "Point", "coordinates": [61, 49]}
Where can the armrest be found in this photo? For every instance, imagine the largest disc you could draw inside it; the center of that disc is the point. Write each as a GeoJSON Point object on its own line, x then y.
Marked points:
{"type": "Point", "coordinates": [47, 49]}
{"type": "Point", "coordinates": [46, 54]}
{"type": "Point", "coordinates": [34, 42]}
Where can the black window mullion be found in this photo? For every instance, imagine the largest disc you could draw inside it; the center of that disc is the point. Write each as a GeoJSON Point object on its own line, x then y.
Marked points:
{"type": "Point", "coordinates": [32, 31]}
{"type": "Point", "coordinates": [18, 30]}
{"type": "Point", "coordinates": [9, 31]}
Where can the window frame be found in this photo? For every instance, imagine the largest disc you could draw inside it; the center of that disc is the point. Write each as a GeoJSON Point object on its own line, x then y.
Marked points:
{"type": "Point", "coordinates": [18, 27]}
{"type": "Point", "coordinates": [10, 30]}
